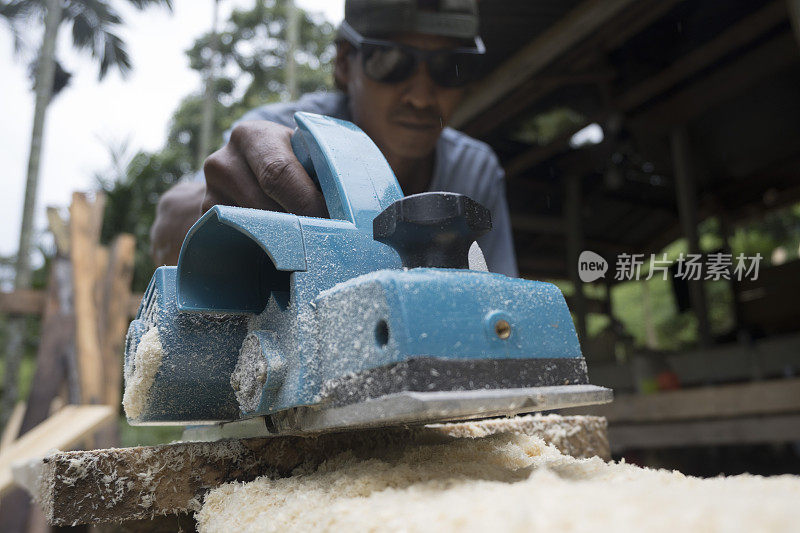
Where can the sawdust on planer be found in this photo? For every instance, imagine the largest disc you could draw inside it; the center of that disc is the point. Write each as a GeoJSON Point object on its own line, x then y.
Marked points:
{"type": "Point", "coordinates": [508, 482]}
{"type": "Point", "coordinates": [146, 363]}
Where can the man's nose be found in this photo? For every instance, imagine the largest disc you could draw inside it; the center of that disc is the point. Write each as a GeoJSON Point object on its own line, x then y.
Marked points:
{"type": "Point", "coordinates": [420, 90]}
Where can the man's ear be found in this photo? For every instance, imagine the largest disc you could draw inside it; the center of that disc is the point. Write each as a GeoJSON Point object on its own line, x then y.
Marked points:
{"type": "Point", "coordinates": [341, 65]}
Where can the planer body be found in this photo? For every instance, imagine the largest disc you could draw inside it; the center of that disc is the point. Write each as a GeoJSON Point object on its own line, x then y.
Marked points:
{"type": "Point", "coordinates": [274, 323]}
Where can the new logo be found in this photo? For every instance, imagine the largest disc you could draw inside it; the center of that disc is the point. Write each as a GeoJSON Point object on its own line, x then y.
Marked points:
{"type": "Point", "coordinates": [591, 266]}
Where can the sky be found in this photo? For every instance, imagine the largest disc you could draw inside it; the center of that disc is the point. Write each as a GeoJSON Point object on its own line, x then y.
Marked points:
{"type": "Point", "coordinates": [88, 115]}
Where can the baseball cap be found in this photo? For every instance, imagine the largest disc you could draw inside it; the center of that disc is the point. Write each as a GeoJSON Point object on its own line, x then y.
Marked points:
{"type": "Point", "coordinates": [448, 18]}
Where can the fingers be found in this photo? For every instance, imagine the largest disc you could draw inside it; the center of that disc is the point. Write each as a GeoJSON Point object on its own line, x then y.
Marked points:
{"type": "Point", "coordinates": [267, 153]}
{"type": "Point", "coordinates": [229, 181]}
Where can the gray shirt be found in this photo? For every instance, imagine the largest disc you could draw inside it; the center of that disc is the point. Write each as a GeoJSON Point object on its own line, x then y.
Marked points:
{"type": "Point", "coordinates": [462, 165]}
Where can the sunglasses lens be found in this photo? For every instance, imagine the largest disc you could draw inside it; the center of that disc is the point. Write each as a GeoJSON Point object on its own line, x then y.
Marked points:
{"type": "Point", "coordinates": [453, 69]}
{"type": "Point", "coordinates": [387, 63]}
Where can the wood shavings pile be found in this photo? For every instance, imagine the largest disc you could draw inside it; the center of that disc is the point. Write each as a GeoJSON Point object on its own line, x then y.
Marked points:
{"type": "Point", "coordinates": [502, 482]}
{"type": "Point", "coordinates": [146, 363]}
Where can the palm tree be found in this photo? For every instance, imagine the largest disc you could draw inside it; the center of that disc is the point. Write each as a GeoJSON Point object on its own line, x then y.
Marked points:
{"type": "Point", "coordinates": [94, 23]}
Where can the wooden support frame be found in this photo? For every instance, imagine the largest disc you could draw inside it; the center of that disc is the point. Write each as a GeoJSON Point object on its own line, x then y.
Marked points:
{"type": "Point", "coordinates": [757, 430]}
{"type": "Point", "coordinates": [22, 302]}
{"type": "Point", "coordinates": [32, 302]}
{"type": "Point", "coordinates": [66, 428]}
{"type": "Point", "coordinates": [578, 24]}
{"type": "Point", "coordinates": [756, 64]}
{"type": "Point", "coordinates": [84, 231]}
{"type": "Point", "coordinates": [687, 213]}
{"type": "Point", "coordinates": [736, 36]}
{"type": "Point", "coordinates": [758, 398]}
{"type": "Point", "coordinates": [573, 204]}
{"type": "Point", "coordinates": [794, 16]}
{"type": "Point", "coordinates": [88, 296]}
{"type": "Point", "coordinates": [748, 413]}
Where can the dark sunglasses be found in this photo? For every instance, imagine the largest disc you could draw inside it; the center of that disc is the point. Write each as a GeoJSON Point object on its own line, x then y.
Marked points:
{"type": "Point", "coordinates": [391, 62]}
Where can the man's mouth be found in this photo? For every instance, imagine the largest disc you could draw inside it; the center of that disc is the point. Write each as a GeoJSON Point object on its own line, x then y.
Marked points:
{"type": "Point", "coordinates": [418, 125]}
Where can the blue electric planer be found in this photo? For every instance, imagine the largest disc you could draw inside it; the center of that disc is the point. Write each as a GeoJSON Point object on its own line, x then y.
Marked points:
{"type": "Point", "coordinates": [274, 323]}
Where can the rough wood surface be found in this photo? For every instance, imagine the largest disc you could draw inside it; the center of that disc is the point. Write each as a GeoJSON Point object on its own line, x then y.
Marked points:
{"type": "Point", "coordinates": [135, 483]}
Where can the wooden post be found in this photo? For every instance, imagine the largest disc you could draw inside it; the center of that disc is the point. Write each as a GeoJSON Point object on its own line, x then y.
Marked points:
{"type": "Point", "coordinates": [572, 212]}
{"type": "Point", "coordinates": [54, 358]}
{"type": "Point", "coordinates": [687, 213]}
{"type": "Point", "coordinates": [725, 231]}
{"type": "Point", "coordinates": [114, 308]}
{"type": "Point", "coordinates": [83, 237]}
{"type": "Point", "coordinates": [794, 16]}
{"type": "Point", "coordinates": [650, 336]}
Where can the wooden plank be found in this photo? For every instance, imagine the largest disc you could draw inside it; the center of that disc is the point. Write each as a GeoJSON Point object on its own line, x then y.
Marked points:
{"type": "Point", "coordinates": [22, 302]}
{"type": "Point", "coordinates": [31, 302]}
{"type": "Point", "coordinates": [60, 230]}
{"type": "Point", "coordinates": [722, 401]}
{"type": "Point", "coordinates": [133, 483]}
{"type": "Point", "coordinates": [772, 357]}
{"type": "Point", "coordinates": [83, 237]}
{"type": "Point", "coordinates": [61, 431]}
{"type": "Point", "coordinates": [114, 312]}
{"type": "Point", "coordinates": [760, 430]}
{"type": "Point", "coordinates": [11, 430]}
{"type": "Point", "coordinates": [54, 359]}
{"type": "Point", "coordinates": [794, 17]}
{"type": "Point", "coordinates": [575, 26]}
{"type": "Point", "coordinates": [134, 302]}
{"type": "Point", "coordinates": [55, 346]}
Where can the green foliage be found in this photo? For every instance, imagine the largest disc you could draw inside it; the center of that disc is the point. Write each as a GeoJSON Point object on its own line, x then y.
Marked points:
{"type": "Point", "coordinates": [252, 60]}
{"type": "Point", "coordinates": [146, 435]}
{"type": "Point", "coordinates": [547, 126]}
{"type": "Point", "coordinates": [253, 53]}
{"type": "Point", "coordinates": [679, 330]}
{"type": "Point", "coordinates": [131, 203]}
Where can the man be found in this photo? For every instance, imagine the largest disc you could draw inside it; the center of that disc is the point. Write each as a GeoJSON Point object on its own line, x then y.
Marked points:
{"type": "Point", "coordinates": [401, 67]}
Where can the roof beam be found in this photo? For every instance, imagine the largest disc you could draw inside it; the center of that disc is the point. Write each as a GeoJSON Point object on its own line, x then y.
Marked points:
{"type": "Point", "coordinates": [776, 54]}
{"type": "Point", "coordinates": [734, 37]}
{"type": "Point", "coordinates": [578, 24]}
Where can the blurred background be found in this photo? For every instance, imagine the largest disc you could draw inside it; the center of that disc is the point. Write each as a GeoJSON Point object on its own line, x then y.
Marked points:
{"type": "Point", "coordinates": [649, 129]}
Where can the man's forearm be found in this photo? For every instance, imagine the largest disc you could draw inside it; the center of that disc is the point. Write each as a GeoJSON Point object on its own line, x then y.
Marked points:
{"type": "Point", "coordinates": [177, 210]}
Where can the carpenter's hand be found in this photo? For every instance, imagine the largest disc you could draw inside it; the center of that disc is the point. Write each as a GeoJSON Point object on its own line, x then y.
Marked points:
{"type": "Point", "coordinates": [257, 168]}
{"type": "Point", "coordinates": [177, 210]}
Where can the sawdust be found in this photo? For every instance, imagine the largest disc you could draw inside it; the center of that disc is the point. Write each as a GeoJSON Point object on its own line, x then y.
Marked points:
{"type": "Point", "coordinates": [507, 482]}
{"type": "Point", "coordinates": [138, 381]}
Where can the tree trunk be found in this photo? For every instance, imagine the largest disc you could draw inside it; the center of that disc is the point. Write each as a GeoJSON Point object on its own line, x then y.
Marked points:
{"type": "Point", "coordinates": [204, 146]}
{"type": "Point", "coordinates": [22, 279]}
{"type": "Point", "coordinates": [292, 39]}
{"type": "Point", "coordinates": [44, 89]}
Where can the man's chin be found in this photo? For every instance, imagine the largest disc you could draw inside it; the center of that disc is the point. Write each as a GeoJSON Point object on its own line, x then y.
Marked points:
{"type": "Point", "coordinates": [414, 143]}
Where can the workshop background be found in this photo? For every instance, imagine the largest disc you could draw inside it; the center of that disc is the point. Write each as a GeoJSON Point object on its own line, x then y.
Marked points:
{"type": "Point", "coordinates": [640, 130]}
